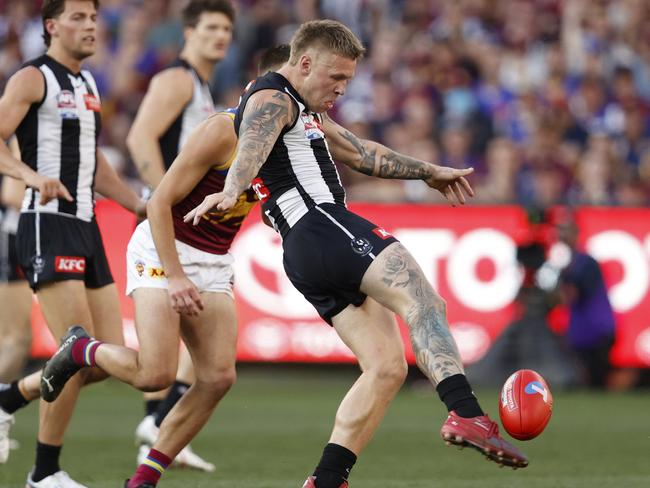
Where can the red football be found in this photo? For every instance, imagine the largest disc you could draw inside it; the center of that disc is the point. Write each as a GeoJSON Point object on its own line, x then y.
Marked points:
{"type": "Point", "coordinates": [526, 404]}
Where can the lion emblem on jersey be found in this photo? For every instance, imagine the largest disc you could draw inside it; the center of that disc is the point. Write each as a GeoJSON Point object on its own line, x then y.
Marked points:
{"type": "Point", "coordinates": [236, 215]}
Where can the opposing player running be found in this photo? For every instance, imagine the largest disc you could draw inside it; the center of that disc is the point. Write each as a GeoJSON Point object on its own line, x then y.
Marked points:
{"type": "Point", "coordinates": [354, 273]}
{"type": "Point", "coordinates": [177, 100]}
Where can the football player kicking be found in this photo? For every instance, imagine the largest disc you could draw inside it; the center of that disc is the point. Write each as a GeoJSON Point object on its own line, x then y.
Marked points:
{"type": "Point", "coordinates": [181, 280]}
{"type": "Point", "coordinates": [353, 272]}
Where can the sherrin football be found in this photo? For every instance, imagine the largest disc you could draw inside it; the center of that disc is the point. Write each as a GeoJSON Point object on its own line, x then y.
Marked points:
{"type": "Point", "coordinates": [526, 404]}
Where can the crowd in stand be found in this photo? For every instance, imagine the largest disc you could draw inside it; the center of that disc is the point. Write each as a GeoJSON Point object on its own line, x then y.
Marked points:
{"type": "Point", "coordinates": [547, 99]}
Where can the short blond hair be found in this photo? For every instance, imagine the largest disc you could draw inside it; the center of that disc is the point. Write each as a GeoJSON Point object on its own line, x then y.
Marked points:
{"type": "Point", "coordinates": [328, 34]}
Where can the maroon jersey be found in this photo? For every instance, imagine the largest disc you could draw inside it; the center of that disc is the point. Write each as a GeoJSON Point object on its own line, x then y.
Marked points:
{"type": "Point", "coordinates": [217, 229]}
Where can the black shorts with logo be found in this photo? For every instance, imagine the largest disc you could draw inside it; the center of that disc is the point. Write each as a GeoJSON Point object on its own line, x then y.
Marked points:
{"type": "Point", "coordinates": [55, 247]}
{"type": "Point", "coordinates": [9, 268]}
{"type": "Point", "coordinates": [326, 254]}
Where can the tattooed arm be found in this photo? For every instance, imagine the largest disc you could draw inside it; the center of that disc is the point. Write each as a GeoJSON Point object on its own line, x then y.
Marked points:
{"type": "Point", "coordinates": [267, 112]}
{"type": "Point", "coordinates": [375, 159]}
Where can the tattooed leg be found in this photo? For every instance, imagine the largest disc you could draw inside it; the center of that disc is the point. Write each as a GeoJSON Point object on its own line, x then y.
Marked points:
{"type": "Point", "coordinates": [398, 283]}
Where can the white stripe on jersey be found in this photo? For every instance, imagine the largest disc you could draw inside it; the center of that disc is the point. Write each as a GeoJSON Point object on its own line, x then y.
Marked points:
{"type": "Point", "coordinates": [338, 176]}
{"type": "Point", "coordinates": [292, 206]}
{"type": "Point", "coordinates": [199, 109]}
{"type": "Point", "coordinates": [48, 156]}
{"type": "Point", "coordinates": [305, 166]}
{"type": "Point", "coordinates": [87, 150]}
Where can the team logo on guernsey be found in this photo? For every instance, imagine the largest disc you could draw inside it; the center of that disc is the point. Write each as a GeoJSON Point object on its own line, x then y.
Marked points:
{"type": "Point", "coordinates": [67, 105]}
{"type": "Point", "coordinates": [139, 267]}
{"type": "Point", "coordinates": [361, 245]}
{"type": "Point", "coordinates": [313, 129]}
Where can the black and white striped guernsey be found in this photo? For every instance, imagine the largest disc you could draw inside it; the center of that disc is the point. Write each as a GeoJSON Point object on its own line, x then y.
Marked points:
{"type": "Point", "coordinates": [58, 138]}
{"type": "Point", "coordinates": [196, 111]}
{"type": "Point", "coordinates": [299, 172]}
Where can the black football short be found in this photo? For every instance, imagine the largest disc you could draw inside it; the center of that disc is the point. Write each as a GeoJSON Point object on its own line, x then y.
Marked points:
{"type": "Point", "coordinates": [326, 254]}
{"type": "Point", "coordinates": [9, 268]}
{"type": "Point", "coordinates": [54, 247]}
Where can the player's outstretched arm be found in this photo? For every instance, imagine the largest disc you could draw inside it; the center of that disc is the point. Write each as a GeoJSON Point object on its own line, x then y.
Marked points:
{"type": "Point", "coordinates": [24, 88]}
{"type": "Point", "coordinates": [213, 141]}
{"type": "Point", "coordinates": [266, 113]}
{"type": "Point", "coordinates": [167, 95]}
{"type": "Point", "coordinates": [110, 185]}
{"type": "Point", "coordinates": [375, 159]}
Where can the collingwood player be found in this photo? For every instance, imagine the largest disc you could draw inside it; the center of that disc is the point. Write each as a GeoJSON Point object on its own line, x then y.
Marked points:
{"type": "Point", "coordinates": [353, 272]}
{"type": "Point", "coordinates": [53, 107]}
{"type": "Point", "coordinates": [177, 100]}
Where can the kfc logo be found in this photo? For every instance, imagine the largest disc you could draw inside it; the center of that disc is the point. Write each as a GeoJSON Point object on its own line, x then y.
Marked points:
{"type": "Point", "coordinates": [260, 190]}
{"type": "Point", "coordinates": [70, 264]}
{"type": "Point", "coordinates": [92, 103]}
{"type": "Point", "coordinates": [382, 233]}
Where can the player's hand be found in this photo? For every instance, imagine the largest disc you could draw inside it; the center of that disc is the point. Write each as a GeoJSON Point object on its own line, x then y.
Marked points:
{"type": "Point", "coordinates": [49, 188]}
{"type": "Point", "coordinates": [451, 182]}
{"type": "Point", "coordinates": [221, 201]}
{"type": "Point", "coordinates": [184, 296]}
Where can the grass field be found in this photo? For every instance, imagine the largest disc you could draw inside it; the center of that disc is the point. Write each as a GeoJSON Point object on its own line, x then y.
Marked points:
{"type": "Point", "coordinates": [270, 430]}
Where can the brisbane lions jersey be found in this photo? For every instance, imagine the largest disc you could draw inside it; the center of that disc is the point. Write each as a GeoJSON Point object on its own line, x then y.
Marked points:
{"type": "Point", "coordinates": [217, 229]}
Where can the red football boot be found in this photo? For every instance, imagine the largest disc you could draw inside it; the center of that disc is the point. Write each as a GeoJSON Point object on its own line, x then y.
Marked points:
{"type": "Point", "coordinates": [482, 434]}
{"type": "Point", "coordinates": [311, 483]}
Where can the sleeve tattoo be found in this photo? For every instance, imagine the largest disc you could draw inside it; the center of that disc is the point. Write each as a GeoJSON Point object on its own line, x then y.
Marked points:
{"type": "Point", "coordinates": [377, 160]}
{"type": "Point", "coordinates": [259, 129]}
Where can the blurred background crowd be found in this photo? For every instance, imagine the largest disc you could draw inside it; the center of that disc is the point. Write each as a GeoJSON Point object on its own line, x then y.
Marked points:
{"type": "Point", "coordinates": [547, 99]}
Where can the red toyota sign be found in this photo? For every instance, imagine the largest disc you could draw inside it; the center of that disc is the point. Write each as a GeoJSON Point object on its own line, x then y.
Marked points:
{"type": "Point", "coordinates": [467, 253]}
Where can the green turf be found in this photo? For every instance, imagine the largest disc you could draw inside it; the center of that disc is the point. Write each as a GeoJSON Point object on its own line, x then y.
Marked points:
{"type": "Point", "coordinates": [270, 430]}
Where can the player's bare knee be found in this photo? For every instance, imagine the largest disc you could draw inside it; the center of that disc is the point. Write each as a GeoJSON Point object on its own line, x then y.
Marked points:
{"type": "Point", "coordinates": [154, 381]}
{"type": "Point", "coordinates": [390, 373]}
{"type": "Point", "coordinates": [218, 382]}
{"type": "Point", "coordinates": [16, 340]}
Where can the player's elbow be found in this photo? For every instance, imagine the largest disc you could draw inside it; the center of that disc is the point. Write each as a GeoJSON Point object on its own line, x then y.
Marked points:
{"type": "Point", "coordinates": [131, 140]}
{"type": "Point", "coordinates": [157, 205]}
{"type": "Point", "coordinates": [137, 138]}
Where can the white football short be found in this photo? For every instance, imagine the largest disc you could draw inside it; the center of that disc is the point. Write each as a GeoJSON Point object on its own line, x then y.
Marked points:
{"type": "Point", "coordinates": [209, 272]}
